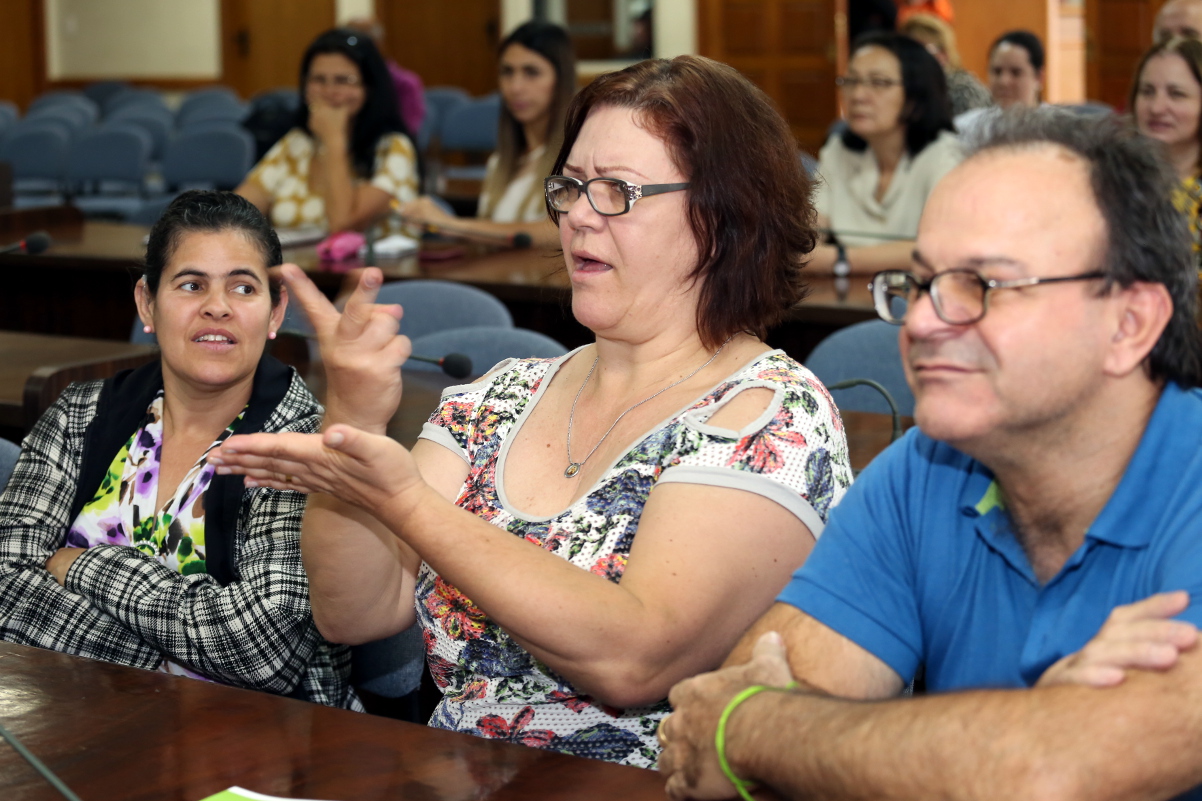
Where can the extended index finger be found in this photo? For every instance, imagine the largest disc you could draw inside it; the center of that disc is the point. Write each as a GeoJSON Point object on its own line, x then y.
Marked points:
{"type": "Point", "coordinates": [311, 299]}
{"type": "Point", "coordinates": [359, 305]}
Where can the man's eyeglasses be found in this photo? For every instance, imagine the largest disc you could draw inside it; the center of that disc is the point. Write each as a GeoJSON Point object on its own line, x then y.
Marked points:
{"type": "Point", "coordinates": [960, 297]}
{"type": "Point", "coordinates": [607, 196]}
{"type": "Point", "coordinates": [340, 81]}
{"type": "Point", "coordinates": [849, 83]}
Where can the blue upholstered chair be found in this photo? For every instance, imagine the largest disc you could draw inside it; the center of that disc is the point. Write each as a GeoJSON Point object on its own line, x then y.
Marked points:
{"type": "Point", "coordinates": [432, 306]}
{"type": "Point", "coordinates": [864, 350]}
{"type": "Point", "coordinates": [9, 451]}
{"type": "Point", "coordinates": [486, 347]}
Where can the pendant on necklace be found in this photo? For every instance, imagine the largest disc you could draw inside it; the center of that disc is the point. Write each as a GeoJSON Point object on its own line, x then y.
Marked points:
{"type": "Point", "coordinates": [572, 470]}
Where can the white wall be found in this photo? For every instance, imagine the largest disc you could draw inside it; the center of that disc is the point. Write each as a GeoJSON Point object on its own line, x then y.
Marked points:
{"type": "Point", "coordinates": [144, 38]}
{"type": "Point", "coordinates": [133, 38]}
{"type": "Point", "coordinates": [675, 24]}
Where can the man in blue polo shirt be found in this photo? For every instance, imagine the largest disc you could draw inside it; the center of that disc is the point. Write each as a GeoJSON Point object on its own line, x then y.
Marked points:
{"type": "Point", "coordinates": [1034, 545]}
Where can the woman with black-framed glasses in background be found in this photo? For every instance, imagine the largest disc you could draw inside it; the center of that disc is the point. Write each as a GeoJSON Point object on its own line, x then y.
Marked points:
{"type": "Point", "coordinates": [578, 534]}
{"type": "Point", "coordinates": [875, 176]}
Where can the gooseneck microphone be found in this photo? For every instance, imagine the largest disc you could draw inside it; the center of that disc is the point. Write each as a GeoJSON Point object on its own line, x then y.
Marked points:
{"type": "Point", "coordinates": [31, 245]}
{"type": "Point", "coordinates": [456, 365]}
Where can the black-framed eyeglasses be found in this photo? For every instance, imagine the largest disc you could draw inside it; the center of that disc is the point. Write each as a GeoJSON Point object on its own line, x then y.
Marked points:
{"type": "Point", "coordinates": [960, 297]}
{"type": "Point", "coordinates": [608, 196]}
{"type": "Point", "coordinates": [848, 83]}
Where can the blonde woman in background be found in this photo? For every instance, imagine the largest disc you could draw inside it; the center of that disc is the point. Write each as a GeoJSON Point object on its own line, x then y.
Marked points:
{"type": "Point", "coordinates": [537, 77]}
{"type": "Point", "coordinates": [964, 91]}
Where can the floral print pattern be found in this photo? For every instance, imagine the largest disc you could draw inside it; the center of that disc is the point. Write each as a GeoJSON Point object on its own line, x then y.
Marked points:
{"type": "Point", "coordinates": [491, 686]}
{"type": "Point", "coordinates": [122, 512]}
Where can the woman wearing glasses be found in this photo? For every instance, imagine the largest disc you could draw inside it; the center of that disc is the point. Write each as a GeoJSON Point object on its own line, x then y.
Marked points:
{"type": "Point", "coordinates": [577, 534]}
{"type": "Point", "coordinates": [876, 175]}
{"type": "Point", "coordinates": [349, 154]}
{"type": "Point", "coordinates": [536, 74]}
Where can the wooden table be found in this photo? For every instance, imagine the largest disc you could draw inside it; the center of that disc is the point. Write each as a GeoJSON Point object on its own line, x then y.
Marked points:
{"type": "Point", "coordinates": [23, 355]}
{"type": "Point", "coordinates": [83, 286]}
{"type": "Point", "coordinates": [115, 733]}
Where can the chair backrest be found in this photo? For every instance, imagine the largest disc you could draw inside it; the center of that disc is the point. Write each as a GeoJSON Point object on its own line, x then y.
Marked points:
{"type": "Point", "coordinates": [863, 350]}
{"type": "Point", "coordinates": [9, 113]}
{"type": "Point", "coordinates": [441, 99]}
{"type": "Point", "coordinates": [214, 107]}
{"type": "Point", "coordinates": [217, 157]}
{"type": "Point", "coordinates": [146, 120]}
{"type": "Point", "coordinates": [36, 151]}
{"type": "Point", "coordinates": [67, 99]}
{"type": "Point", "coordinates": [73, 116]}
{"type": "Point", "coordinates": [270, 116]}
{"type": "Point", "coordinates": [209, 94]}
{"type": "Point", "coordinates": [141, 97]}
{"type": "Point", "coordinates": [472, 126]}
{"type": "Point", "coordinates": [45, 384]}
{"type": "Point", "coordinates": [120, 153]}
{"type": "Point", "coordinates": [391, 667]}
{"type": "Point", "coordinates": [438, 305]}
{"type": "Point", "coordinates": [101, 91]}
{"type": "Point", "coordinates": [9, 451]}
{"type": "Point", "coordinates": [484, 346]}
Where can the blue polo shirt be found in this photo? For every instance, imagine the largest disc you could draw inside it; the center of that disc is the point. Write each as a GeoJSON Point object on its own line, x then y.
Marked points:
{"type": "Point", "coordinates": [918, 564]}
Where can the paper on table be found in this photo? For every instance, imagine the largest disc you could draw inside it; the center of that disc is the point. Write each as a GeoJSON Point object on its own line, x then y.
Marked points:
{"type": "Point", "coordinates": [240, 794]}
{"type": "Point", "coordinates": [394, 245]}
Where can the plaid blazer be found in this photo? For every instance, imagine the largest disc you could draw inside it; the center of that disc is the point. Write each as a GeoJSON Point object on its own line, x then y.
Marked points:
{"type": "Point", "coordinates": [122, 606]}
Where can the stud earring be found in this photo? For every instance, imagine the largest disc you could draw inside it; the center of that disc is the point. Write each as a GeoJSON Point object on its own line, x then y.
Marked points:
{"type": "Point", "coordinates": [147, 329]}
{"type": "Point", "coordinates": [271, 334]}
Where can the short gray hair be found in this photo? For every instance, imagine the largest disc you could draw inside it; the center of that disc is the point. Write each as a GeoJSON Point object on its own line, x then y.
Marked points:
{"type": "Point", "coordinates": [1148, 240]}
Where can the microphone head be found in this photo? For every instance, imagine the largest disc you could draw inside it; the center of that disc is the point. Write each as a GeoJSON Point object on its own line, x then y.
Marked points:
{"type": "Point", "coordinates": [522, 240]}
{"type": "Point", "coordinates": [456, 365]}
{"type": "Point", "coordinates": [36, 242]}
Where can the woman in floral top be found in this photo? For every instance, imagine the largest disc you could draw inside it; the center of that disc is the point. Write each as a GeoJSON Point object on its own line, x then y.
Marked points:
{"type": "Point", "coordinates": [576, 535]}
{"type": "Point", "coordinates": [350, 154]}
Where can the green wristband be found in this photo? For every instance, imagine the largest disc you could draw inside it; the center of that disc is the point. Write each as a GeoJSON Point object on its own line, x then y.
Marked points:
{"type": "Point", "coordinates": [743, 787]}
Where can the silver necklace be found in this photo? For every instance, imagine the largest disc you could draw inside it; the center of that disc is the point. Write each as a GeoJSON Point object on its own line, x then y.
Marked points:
{"type": "Point", "coordinates": [574, 467]}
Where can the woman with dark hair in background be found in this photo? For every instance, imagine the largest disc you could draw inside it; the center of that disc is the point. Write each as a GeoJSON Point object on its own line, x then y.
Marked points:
{"type": "Point", "coordinates": [1016, 61]}
{"type": "Point", "coordinates": [579, 533]}
{"type": "Point", "coordinates": [537, 78]}
{"type": "Point", "coordinates": [1166, 102]}
{"type": "Point", "coordinates": [350, 154]}
{"type": "Point", "coordinates": [875, 177]}
{"type": "Point", "coordinates": [117, 541]}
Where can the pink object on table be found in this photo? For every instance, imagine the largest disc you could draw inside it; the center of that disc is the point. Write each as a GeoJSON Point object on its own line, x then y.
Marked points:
{"type": "Point", "coordinates": [340, 246]}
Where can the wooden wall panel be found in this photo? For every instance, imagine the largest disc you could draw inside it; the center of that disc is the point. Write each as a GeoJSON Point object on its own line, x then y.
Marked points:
{"type": "Point", "coordinates": [1117, 34]}
{"type": "Point", "coordinates": [787, 48]}
{"type": "Point", "coordinates": [445, 49]}
{"type": "Point", "coordinates": [979, 23]}
{"type": "Point", "coordinates": [22, 51]}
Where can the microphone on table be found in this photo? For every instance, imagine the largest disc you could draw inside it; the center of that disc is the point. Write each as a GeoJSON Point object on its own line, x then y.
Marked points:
{"type": "Point", "coordinates": [456, 365]}
{"type": "Point", "coordinates": [31, 245]}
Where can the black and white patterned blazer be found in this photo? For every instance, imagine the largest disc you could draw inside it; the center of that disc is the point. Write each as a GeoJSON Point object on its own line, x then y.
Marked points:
{"type": "Point", "coordinates": [253, 629]}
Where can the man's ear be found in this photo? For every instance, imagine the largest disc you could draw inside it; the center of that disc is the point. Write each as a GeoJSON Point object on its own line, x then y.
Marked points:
{"type": "Point", "coordinates": [1145, 309]}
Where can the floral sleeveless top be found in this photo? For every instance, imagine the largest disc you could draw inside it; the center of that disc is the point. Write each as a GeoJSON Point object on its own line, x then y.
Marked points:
{"type": "Point", "coordinates": [123, 510]}
{"type": "Point", "coordinates": [794, 454]}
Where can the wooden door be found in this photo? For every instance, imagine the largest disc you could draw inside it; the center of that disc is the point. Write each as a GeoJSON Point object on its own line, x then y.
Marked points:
{"type": "Point", "coordinates": [788, 48]}
{"type": "Point", "coordinates": [262, 41]}
{"type": "Point", "coordinates": [1117, 34]}
{"type": "Point", "coordinates": [22, 51]}
{"type": "Point", "coordinates": [446, 44]}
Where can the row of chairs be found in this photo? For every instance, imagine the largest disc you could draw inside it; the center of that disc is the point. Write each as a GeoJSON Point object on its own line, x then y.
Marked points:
{"type": "Point", "coordinates": [106, 171]}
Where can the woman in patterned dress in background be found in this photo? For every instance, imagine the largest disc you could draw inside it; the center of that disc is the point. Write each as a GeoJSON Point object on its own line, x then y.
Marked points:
{"type": "Point", "coordinates": [575, 534]}
{"type": "Point", "coordinates": [117, 542]}
{"type": "Point", "coordinates": [349, 155]}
